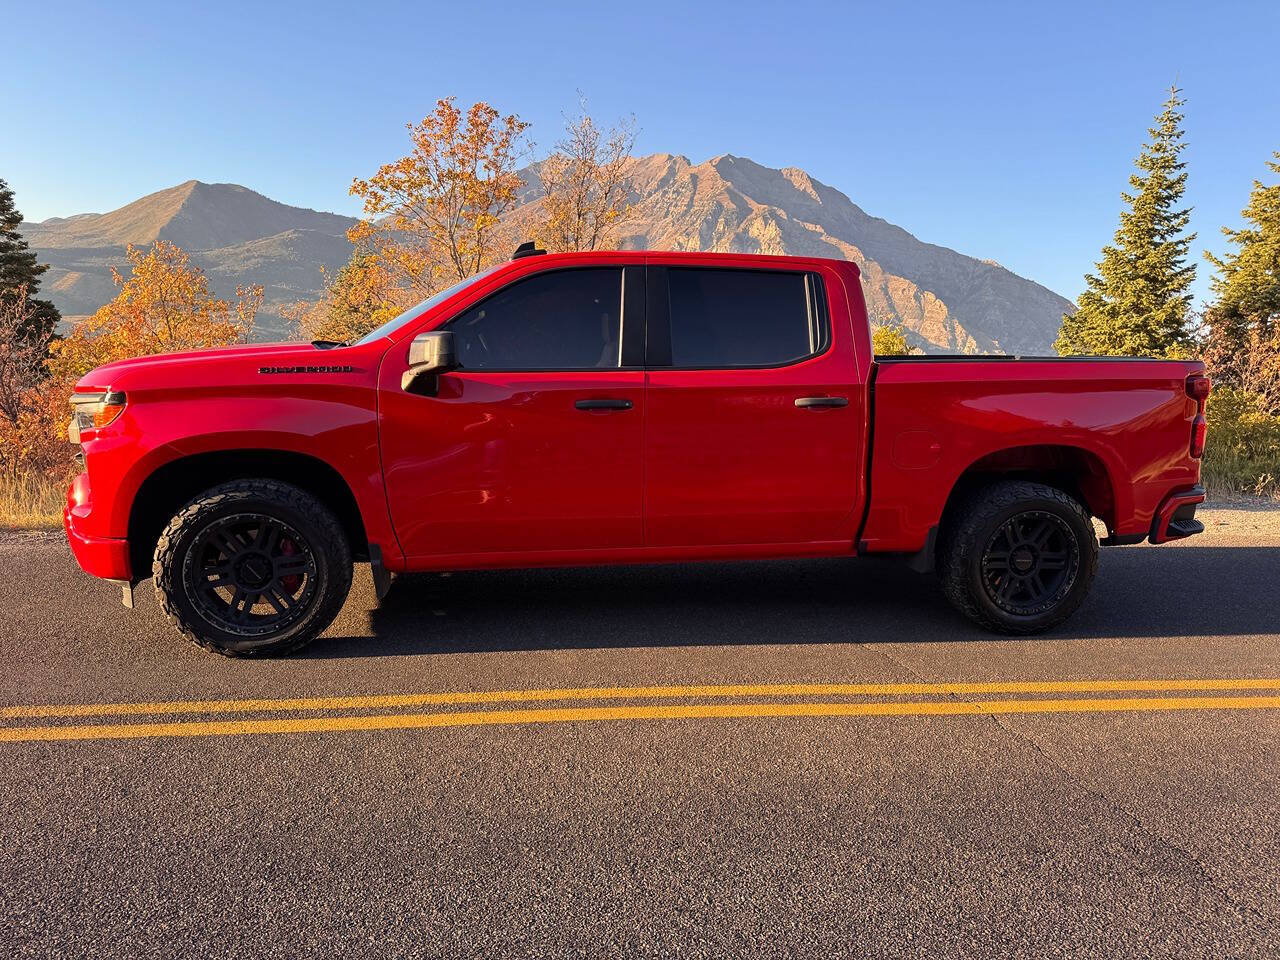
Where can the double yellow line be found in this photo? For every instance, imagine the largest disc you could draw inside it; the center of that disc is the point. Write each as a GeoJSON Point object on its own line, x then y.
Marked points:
{"type": "Point", "coordinates": [331, 714]}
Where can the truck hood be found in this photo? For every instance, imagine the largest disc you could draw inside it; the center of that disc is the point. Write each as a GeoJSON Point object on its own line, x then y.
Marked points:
{"type": "Point", "coordinates": [169, 365]}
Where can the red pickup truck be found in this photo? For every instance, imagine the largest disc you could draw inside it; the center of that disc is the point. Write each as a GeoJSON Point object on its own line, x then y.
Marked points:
{"type": "Point", "coordinates": [619, 407]}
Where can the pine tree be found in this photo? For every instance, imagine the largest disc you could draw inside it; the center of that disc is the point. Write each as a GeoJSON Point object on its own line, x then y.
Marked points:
{"type": "Point", "coordinates": [1138, 303]}
{"type": "Point", "coordinates": [1243, 348]}
{"type": "Point", "coordinates": [19, 270]}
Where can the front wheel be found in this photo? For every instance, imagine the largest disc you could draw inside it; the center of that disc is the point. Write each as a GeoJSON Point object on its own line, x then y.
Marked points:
{"type": "Point", "coordinates": [1018, 557]}
{"type": "Point", "coordinates": [252, 567]}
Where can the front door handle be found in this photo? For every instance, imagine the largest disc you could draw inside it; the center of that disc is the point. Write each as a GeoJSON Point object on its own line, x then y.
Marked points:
{"type": "Point", "coordinates": [604, 403]}
{"type": "Point", "coordinates": [822, 401]}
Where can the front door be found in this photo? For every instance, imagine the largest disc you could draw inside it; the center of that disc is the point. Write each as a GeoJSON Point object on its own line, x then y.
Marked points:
{"type": "Point", "coordinates": [753, 413]}
{"type": "Point", "coordinates": [534, 444]}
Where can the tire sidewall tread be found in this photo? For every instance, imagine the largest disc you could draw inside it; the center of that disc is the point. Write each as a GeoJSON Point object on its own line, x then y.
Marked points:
{"type": "Point", "coordinates": [959, 559]}
{"type": "Point", "coordinates": [324, 533]}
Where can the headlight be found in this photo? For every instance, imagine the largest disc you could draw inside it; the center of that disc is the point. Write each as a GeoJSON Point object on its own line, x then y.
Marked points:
{"type": "Point", "coordinates": [92, 411]}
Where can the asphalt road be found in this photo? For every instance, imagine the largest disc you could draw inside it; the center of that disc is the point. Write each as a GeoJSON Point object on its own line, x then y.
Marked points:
{"type": "Point", "coordinates": [656, 821]}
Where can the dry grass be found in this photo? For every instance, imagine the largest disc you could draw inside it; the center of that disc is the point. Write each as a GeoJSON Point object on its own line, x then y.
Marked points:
{"type": "Point", "coordinates": [31, 502]}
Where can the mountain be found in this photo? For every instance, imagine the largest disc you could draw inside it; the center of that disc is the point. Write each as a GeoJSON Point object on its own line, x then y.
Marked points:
{"type": "Point", "coordinates": [234, 234]}
{"type": "Point", "coordinates": [947, 301]}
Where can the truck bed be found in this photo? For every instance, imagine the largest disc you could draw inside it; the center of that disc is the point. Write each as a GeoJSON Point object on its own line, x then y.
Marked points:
{"type": "Point", "coordinates": [1122, 424]}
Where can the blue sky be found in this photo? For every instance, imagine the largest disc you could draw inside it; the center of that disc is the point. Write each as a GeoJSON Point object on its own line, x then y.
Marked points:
{"type": "Point", "coordinates": [1004, 130]}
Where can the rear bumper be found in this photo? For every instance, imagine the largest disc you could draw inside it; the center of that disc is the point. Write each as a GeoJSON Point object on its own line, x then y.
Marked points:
{"type": "Point", "coordinates": [1176, 518]}
{"type": "Point", "coordinates": [103, 557]}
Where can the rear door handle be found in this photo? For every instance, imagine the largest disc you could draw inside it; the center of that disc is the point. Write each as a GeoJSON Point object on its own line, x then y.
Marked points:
{"type": "Point", "coordinates": [603, 403]}
{"type": "Point", "coordinates": [822, 401]}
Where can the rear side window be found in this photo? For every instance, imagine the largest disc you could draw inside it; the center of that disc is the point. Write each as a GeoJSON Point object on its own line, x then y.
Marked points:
{"type": "Point", "coordinates": [562, 320]}
{"type": "Point", "coordinates": [745, 318]}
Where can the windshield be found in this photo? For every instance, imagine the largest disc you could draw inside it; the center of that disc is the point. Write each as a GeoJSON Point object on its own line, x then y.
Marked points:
{"type": "Point", "coordinates": [419, 309]}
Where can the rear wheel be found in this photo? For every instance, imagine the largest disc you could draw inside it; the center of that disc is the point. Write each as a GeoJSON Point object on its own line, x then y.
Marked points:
{"type": "Point", "coordinates": [252, 567]}
{"type": "Point", "coordinates": [1018, 557]}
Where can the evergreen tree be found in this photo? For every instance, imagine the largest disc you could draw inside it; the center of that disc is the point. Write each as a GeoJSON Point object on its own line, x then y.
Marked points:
{"type": "Point", "coordinates": [1138, 303]}
{"type": "Point", "coordinates": [19, 269]}
{"type": "Point", "coordinates": [1243, 348]}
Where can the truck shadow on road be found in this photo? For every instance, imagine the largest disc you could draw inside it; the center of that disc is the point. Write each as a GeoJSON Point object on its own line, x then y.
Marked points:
{"type": "Point", "coordinates": [1140, 592]}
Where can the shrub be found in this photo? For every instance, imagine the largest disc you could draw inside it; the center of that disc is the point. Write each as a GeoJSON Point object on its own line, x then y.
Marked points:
{"type": "Point", "coordinates": [1243, 452]}
{"type": "Point", "coordinates": [889, 341]}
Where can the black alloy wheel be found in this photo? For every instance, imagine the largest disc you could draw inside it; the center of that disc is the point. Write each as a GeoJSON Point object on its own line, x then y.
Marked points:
{"type": "Point", "coordinates": [252, 568]}
{"type": "Point", "coordinates": [250, 575]}
{"type": "Point", "coordinates": [1030, 563]}
{"type": "Point", "coordinates": [1017, 556]}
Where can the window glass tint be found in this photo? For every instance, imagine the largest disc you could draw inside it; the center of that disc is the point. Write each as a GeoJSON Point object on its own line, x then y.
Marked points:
{"type": "Point", "coordinates": [567, 319]}
{"type": "Point", "coordinates": [743, 318]}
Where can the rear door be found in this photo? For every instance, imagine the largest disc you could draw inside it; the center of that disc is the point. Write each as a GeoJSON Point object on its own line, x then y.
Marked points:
{"type": "Point", "coordinates": [534, 445]}
{"type": "Point", "coordinates": [753, 412]}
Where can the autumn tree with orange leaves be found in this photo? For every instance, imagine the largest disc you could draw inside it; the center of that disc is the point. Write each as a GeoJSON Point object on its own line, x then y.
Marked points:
{"type": "Point", "coordinates": [584, 184]}
{"type": "Point", "coordinates": [163, 306]}
{"type": "Point", "coordinates": [29, 429]}
{"type": "Point", "coordinates": [358, 297]}
{"type": "Point", "coordinates": [431, 218]}
{"type": "Point", "coordinates": [434, 216]}
{"type": "Point", "coordinates": [22, 354]}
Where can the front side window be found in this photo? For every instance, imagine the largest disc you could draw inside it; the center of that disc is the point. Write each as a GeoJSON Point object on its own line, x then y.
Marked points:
{"type": "Point", "coordinates": [744, 318]}
{"type": "Point", "coordinates": [560, 320]}
{"type": "Point", "coordinates": [418, 309]}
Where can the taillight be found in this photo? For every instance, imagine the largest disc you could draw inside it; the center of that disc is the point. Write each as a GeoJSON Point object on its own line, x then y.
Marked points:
{"type": "Point", "coordinates": [1198, 387]}
{"type": "Point", "coordinates": [1199, 431]}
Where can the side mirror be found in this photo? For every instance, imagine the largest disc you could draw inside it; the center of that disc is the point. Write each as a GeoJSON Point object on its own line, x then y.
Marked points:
{"type": "Point", "coordinates": [430, 354]}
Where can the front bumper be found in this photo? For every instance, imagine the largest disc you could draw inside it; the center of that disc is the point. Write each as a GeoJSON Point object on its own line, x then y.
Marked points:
{"type": "Point", "coordinates": [1176, 517]}
{"type": "Point", "coordinates": [103, 557]}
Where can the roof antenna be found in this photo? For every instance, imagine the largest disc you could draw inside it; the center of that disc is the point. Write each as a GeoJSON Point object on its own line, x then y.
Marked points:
{"type": "Point", "coordinates": [527, 249]}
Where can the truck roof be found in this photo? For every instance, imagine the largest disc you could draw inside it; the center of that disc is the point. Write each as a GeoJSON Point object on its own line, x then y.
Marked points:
{"type": "Point", "coordinates": [705, 257]}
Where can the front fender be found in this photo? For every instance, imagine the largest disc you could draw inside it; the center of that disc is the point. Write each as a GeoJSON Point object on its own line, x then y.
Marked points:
{"type": "Point", "coordinates": [337, 426]}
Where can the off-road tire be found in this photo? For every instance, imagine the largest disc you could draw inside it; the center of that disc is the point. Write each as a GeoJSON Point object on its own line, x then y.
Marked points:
{"type": "Point", "coordinates": [275, 501]}
{"type": "Point", "coordinates": [969, 532]}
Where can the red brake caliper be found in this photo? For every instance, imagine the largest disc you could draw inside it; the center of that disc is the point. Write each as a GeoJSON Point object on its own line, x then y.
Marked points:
{"type": "Point", "coordinates": [293, 580]}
